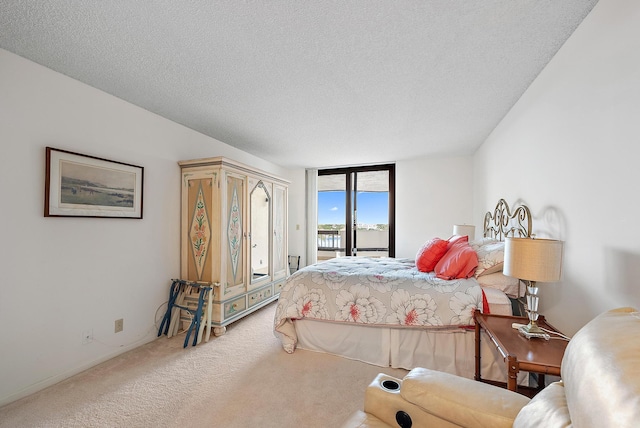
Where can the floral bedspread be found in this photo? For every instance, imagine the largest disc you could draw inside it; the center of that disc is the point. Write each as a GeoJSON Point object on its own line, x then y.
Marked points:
{"type": "Point", "coordinates": [374, 291]}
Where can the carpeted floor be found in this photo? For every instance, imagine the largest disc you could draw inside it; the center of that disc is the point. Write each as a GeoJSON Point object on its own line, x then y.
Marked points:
{"type": "Point", "coordinates": [241, 379]}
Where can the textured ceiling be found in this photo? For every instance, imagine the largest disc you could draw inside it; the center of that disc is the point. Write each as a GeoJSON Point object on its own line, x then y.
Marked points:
{"type": "Point", "coordinates": [306, 83]}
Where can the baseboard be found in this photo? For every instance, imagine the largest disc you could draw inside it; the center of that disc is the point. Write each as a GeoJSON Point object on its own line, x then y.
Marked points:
{"type": "Point", "coordinates": [39, 386]}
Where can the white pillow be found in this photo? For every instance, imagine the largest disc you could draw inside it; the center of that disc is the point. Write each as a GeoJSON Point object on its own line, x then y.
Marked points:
{"type": "Point", "coordinates": [477, 243]}
{"type": "Point", "coordinates": [508, 285]}
{"type": "Point", "coordinates": [490, 257]}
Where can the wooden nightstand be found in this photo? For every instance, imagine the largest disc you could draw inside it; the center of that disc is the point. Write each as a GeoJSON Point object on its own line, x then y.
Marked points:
{"type": "Point", "coordinates": [519, 353]}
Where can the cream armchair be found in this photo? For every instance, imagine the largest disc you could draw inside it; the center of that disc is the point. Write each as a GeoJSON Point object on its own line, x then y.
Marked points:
{"type": "Point", "coordinates": [600, 388]}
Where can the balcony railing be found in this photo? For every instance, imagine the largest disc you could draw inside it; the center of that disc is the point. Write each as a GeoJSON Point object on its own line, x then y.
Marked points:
{"type": "Point", "coordinates": [372, 243]}
{"type": "Point", "coordinates": [330, 240]}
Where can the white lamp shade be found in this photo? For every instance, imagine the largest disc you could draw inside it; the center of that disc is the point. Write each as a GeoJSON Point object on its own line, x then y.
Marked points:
{"type": "Point", "coordinates": [537, 260]}
{"type": "Point", "coordinates": [464, 230]}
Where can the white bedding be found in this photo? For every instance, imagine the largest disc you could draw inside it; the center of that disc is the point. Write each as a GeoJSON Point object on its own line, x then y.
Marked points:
{"type": "Point", "coordinates": [443, 346]}
{"type": "Point", "coordinates": [381, 292]}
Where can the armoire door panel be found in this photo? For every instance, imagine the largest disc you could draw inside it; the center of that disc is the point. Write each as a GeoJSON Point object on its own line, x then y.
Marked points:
{"type": "Point", "coordinates": [235, 234]}
{"type": "Point", "coordinates": [199, 232]}
{"type": "Point", "coordinates": [259, 233]}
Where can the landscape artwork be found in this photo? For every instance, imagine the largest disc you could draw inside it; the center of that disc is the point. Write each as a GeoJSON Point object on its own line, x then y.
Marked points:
{"type": "Point", "coordinates": [86, 186]}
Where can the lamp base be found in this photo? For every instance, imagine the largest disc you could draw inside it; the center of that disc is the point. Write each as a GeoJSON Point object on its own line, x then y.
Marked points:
{"type": "Point", "coordinates": [532, 330]}
{"type": "Point", "coordinates": [534, 333]}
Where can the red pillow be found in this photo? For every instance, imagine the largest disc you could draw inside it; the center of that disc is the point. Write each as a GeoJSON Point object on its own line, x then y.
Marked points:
{"type": "Point", "coordinates": [430, 253]}
{"type": "Point", "coordinates": [456, 238]}
{"type": "Point", "coordinates": [460, 261]}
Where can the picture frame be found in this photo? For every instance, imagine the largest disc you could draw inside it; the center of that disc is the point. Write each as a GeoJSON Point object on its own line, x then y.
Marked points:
{"type": "Point", "coordinates": [78, 185]}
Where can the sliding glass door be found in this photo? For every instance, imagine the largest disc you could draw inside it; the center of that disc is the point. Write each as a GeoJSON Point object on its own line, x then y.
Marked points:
{"type": "Point", "coordinates": [356, 212]}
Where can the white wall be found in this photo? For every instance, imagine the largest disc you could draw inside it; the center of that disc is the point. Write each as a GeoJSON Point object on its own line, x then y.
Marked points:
{"type": "Point", "coordinates": [60, 276]}
{"type": "Point", "coordinates": [431, 196]}
{"type": "Point", "coordinates": [569, 149]}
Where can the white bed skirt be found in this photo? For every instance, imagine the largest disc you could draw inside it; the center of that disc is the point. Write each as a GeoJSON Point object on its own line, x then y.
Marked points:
{"type": "Point", "coordinates": [451, 352]}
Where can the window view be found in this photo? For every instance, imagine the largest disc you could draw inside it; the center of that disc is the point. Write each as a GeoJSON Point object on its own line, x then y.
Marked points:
{"type": "Point", "coordinates": [356, 212]}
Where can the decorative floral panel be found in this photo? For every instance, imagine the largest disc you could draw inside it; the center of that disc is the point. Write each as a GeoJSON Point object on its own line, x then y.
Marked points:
{"type": "Point", "coordinates": [234, 232]}
{"type": "Point", "coordinates": [200, 232]}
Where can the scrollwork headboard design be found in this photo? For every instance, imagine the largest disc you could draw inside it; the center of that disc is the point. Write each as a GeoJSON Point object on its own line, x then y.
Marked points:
{"type": "Point", "coordinates": [502, 223]}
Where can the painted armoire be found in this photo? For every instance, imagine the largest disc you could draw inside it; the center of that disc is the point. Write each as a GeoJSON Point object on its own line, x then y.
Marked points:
{"type": "Point", "coordinates": [233, 234]}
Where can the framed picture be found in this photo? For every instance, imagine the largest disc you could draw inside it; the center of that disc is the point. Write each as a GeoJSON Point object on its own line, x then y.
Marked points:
{"type": "Point", "coordinates": [86, 186]}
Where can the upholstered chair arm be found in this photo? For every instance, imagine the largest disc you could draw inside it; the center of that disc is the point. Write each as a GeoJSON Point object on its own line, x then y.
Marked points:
{"type": "Point", "coordinates": [461, 401]}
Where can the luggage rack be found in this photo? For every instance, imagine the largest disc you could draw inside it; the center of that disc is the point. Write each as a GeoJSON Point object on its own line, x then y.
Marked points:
{"type": "Point", "coordinates": [181, 298]}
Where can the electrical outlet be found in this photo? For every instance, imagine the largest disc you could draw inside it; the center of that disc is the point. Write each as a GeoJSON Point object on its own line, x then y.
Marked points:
{"type": "Point", "coordinates": [119, 325]}
{"type": "Point", "coordinates": [87, 336]}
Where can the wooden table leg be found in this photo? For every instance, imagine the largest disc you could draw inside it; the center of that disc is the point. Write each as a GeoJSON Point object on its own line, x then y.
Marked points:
{"type": "Point", "coordinates": [512, 372]}
{"type": "Point", "coordinates": [541, 381]}
{"type": "Point", "coordinates": [478, 376]}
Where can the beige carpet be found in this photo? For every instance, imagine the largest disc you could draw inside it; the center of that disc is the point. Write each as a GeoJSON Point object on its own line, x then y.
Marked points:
{"type": "Point", "coordinates": [241, 379]}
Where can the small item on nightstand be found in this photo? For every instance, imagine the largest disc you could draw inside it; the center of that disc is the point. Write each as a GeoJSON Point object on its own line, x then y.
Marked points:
{"type": "Point", "coordinates": [517, 325]}
{"type": "Point", "coordinates": [528, 334]}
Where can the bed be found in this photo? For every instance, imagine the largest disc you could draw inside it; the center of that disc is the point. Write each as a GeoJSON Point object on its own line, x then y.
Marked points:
{"type": "Point", "coordinates": [390, 313]}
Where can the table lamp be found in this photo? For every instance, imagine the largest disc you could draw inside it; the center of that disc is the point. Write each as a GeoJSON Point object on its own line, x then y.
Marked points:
{"type": "Point", "coordinates": [533, 261]}
{"type": "Point", "coordinates": [465, 230]}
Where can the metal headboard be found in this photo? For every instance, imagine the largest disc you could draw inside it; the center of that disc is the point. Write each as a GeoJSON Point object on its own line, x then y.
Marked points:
{"type": "Point", "coordinates": [503, 223]}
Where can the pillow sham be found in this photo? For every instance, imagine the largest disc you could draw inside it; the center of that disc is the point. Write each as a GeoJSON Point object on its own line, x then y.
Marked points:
{"type": "Point", "coordinates": [508, 285]}
{"type": "Point", "coordinates": [430, 253]}
{"type": "Point", "coordinates": [460, 261]}
{"type": "Point", "coordinates": [490, 258]}
{"type": "Point", "coordinates": [477, 243]}
{"type": "Point", "coordinates": [456, 238]}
